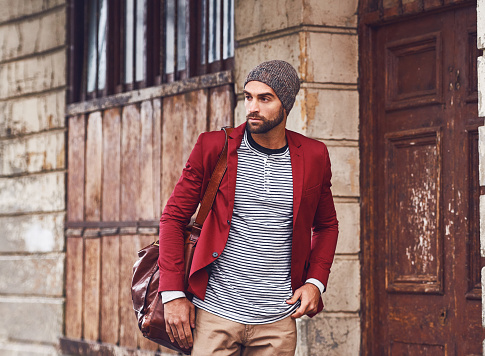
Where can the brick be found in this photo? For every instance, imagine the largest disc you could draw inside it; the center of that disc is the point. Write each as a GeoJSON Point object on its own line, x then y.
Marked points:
{"type": "Point", "coordinates": [319, 114]}
{"type": "Point", "coordinates": [20, 349]}
{"type": "Point", "coordinates": [481, 26]}
{"type": "Point", "coordinates": [332, 58]}
{"type": "Point", "coordinates": [32, 233]}
{"type": "Point", "coordinates": [31, 319]}
{"type": "Point", "coordinates": [335, 13]}
{"type": "Point", "coordinates": [345, 170]}
{"type": "Point", "coordinates": [10, 10]}
{"type": "Point", "coordinates": [286, 48]}
{"type": "Point", "coordinates": [483, 296]}
{"type": "Point", "coordinates": [33, 35]}
{"type": "Point", "coordinates": [265, 16]}
{"type": "Point", "coordinates": [36, 193]}
{"type": "Point", "coordinates": [343, 296]}
{"type": "Point", "coordinates": [333, 334]}
{"type": "Point", "coordinates": [348, 215]}
{"type": "Point", "coordinates": [41, 152]}
{"type": "Point", "coordinates": [297, 119]}
{"type": "Point", "coordinates": [32, 114]}
{"type": "Point", "coordinates": [481, 155]}
{"type": "Point", "coordinates": [294, 121]}
{"type": "Point", "coordinates": [481, 86]}
{"type": "Point", "coordinates": [239, 113]}
{"type": "Point", "coordinates": [33, 75]}
{"type": "Point", "coordinates": [18, 276]}
{"type": "Point", "coordinates": [482, 225]}
{"type": "Point", "coordinates": [325, 117]}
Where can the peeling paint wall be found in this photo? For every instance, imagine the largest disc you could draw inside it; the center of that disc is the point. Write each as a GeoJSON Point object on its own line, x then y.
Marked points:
{"type": "Point", "coordinates": [319, 38]}
{"type": "Point", "coordinates": [32, 175]}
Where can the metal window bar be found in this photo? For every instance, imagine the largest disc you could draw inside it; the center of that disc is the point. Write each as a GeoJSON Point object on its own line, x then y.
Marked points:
{"type": "Point", "coordinates": [90, 35]}
{"type": "Point", "coordinates": [140, 43]}
{"type": "Point", "coordinates": [170, 22]}
{"type": "Point", "coordinates": [95, 82]}
{"type": "Point", "coordinates": [153, 39]}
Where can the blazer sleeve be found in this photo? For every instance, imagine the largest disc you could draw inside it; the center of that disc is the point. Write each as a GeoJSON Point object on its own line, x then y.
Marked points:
{"type": "Point", "coordinates": [180, 207]}
{"type": "Point", "coordinates": [325, 229]}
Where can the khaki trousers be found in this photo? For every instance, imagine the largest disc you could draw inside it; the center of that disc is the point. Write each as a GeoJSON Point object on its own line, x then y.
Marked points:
{"type": "Point", "coordinates": [216, 336]}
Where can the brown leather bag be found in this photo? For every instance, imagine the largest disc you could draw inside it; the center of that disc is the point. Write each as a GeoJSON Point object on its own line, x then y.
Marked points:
{"type": "Point", "coordinates": [147, 302]}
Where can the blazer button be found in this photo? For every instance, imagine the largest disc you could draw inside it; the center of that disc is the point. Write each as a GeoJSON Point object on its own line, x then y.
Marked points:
{"type": "Point", "coordinates": [228, 222]}
{"type": "Point", "coordinates": [215, 254]}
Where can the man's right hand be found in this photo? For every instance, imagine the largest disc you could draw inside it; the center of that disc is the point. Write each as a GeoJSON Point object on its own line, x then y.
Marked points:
{"type": "Point", "coordinates": [179, 321]}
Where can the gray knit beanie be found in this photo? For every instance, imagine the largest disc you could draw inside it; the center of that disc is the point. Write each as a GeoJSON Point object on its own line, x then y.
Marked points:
{"type": "Point", "coordinates": [279, 76]}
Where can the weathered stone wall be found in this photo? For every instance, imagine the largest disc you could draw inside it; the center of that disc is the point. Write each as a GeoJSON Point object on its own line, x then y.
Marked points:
{"type": "Point", "coordinates": [32, 175]}
{"type": "Point", "coordinates": [319, 38]}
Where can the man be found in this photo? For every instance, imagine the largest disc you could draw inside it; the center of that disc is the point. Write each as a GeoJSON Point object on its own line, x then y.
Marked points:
{"type": "Point", "coordinates": [265, 251]}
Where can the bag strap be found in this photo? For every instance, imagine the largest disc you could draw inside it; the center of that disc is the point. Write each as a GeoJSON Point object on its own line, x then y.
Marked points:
{"type": "Point", "coordinates": [213, 186]}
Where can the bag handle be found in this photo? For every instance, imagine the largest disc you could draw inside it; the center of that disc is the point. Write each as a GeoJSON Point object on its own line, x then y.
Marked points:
{"type": "Point", "coordinates": [214, 183]}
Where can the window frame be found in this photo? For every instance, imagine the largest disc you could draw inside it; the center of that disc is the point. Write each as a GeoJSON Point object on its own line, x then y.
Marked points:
{"type": "Point", "coordinates": [154, 41]}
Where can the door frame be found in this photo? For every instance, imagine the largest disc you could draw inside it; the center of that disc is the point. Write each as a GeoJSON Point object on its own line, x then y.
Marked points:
{"type": "Point", "coordinates": [368, 25]}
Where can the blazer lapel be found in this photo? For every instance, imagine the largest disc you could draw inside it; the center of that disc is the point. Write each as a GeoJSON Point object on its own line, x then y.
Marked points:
{"type": "Point", "coordinates": [234, 141]}
{"type": "Point", "coordinates": [297, 168]}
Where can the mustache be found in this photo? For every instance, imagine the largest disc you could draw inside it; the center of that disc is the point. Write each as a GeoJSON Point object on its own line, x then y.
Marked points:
{"type": "Point", "coordinates": [255, 116]}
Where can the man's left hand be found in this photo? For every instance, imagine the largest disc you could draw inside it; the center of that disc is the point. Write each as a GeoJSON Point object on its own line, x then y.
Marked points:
{"type": "Point", "coordinates": [309, 296]}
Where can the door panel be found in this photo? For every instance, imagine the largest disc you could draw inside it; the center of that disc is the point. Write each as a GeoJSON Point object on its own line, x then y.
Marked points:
{"type": "Point", "coordinates": [427, 275]}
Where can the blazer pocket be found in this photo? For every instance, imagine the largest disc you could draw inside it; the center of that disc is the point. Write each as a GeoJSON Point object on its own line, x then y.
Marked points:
{"type": "Point", "coordinates": [312, 190]}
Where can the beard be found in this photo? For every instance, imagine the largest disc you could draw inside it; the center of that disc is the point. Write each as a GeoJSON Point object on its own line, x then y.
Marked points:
{"type": "Point", "coordinates": [266, 124]}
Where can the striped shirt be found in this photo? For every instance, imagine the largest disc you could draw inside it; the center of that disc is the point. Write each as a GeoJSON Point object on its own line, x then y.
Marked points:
{"type": "Point", "coordinates": [250, 281]}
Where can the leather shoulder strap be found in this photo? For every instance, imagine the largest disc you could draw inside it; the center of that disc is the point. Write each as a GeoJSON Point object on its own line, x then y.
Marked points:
{"type": "Point", "coordinates": [215, 181]}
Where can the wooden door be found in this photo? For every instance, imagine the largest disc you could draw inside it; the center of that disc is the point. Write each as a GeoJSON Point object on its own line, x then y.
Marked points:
{"type": "Point", "coordinates": [425, 240]}
{"type": "Point", "coordinates": [123, 162]}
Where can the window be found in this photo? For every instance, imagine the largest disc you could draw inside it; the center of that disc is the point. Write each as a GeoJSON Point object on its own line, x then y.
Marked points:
{"type": "Point", "coordinates": [122, 45]}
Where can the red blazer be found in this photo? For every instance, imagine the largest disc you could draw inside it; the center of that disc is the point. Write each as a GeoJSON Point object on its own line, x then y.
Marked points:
{"type": "Point", "coordinates": [313, 210]}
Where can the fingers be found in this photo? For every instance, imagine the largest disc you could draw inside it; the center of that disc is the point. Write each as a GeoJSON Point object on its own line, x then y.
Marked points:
{"type": "Point", "coordinates": [295, 297]}
{"type": "Point", "coordinates": [179, 317]}
{"type": "Point", "coordinates": [168, 329]}
{"type": "Point", "coordinates": [192, 317]}
{"type": "Point", "coordinates": [181, 332]}
{"type": "Point", "coordinates": [308, 301]}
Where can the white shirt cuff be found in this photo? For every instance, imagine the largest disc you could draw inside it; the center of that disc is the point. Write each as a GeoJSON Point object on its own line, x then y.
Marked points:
{"type": "Point", "coordinates": [316, 283]}
{"type": "Point", "coordinates": [169, 295]}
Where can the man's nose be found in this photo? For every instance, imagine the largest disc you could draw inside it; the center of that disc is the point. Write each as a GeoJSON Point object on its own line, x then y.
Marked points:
{"type": "Point", "coordinates": [253, 106]}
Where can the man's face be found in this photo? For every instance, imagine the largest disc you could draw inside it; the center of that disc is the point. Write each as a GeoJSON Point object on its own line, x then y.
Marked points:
{"type": "Point", "coordinates": [264, 110]}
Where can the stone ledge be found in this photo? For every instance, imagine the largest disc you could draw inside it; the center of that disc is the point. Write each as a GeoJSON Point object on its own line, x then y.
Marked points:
{"type": "Point", "coordinates": [84, 347]}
